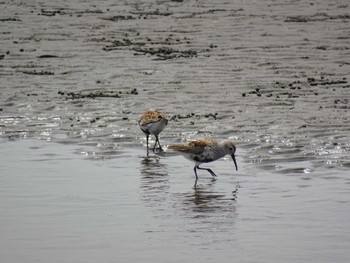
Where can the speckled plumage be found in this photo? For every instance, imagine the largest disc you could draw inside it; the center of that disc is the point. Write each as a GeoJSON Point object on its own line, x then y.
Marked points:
{"type": "Point", "coordinates": [196, 147]}
{"type": "Point", "coordinates": [152, 122]}
{"type": "Point", "coordinates": [205, 151]}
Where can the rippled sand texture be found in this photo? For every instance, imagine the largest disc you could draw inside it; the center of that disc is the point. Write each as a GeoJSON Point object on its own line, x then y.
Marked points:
{"type": "Point", "coordinates": [273, 75]}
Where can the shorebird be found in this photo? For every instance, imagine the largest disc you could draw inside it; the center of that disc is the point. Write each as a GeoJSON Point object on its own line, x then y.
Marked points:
{"type": "Point", "coordinates": [205, 151]}
{"type": "Point", "coordinates": [152, 122]}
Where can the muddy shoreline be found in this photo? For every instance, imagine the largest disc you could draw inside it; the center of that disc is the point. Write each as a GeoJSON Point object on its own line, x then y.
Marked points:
{"type": "Point", "coordinates": [273, 76]}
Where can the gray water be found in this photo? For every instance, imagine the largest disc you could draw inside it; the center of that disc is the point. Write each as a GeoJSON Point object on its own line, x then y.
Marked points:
{"type": "Point", "coordinates": [60, 207]}
{"type": "Point", "coordinates": [76, 182]}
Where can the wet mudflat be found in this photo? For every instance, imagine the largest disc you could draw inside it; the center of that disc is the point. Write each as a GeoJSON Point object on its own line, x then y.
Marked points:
{"type": "Point", "coordinates": [76, 180]}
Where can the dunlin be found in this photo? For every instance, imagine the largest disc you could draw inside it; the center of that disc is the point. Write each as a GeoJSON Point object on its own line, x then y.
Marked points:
{"type": "Point", "coordinates": [152, 122]}
{"type": "Point", "coordinates": [205, 151]}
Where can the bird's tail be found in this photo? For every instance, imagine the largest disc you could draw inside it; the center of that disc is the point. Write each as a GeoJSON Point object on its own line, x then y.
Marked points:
{"type": "Point", "coordinates": [178, 147]}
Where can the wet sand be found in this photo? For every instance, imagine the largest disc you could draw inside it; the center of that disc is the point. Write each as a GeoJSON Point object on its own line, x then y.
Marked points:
{"type": "Point", "coordinates": [272, 75]}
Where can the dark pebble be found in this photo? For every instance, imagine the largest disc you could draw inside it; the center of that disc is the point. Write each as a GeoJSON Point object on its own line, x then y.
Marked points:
{"type": "Point", "coordinates": [134, 91]}
{"type": "Point", "coordinates": [47, 56]}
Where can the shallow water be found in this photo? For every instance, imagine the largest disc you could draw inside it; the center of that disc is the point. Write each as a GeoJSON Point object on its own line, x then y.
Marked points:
{"type": "Point", "coordinates": [58, 205]}
{"type": "Point", "coordinates": [271, 75]}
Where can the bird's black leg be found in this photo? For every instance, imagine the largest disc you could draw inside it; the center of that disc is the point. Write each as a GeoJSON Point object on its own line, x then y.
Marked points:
{"type": "Point", "coordinates": [209, 170]}
{"type": "Point", "coordinates": [155, 144]}
{"type": "Point", "coordinates": [147, 137]}
{"type": "Point", "coordinates": [160, 147]}
{"type": "Point", "coordinates": [195, 172]}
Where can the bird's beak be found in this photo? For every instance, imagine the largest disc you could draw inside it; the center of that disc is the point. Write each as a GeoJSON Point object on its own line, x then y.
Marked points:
{"type": "Point", "coordinates": [234, 160]}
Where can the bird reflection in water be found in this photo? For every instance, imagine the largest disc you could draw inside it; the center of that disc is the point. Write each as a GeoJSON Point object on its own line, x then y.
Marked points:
{"type": "Point", "coordinates": [207, 200]}
{"type": "Point", "coordinates": [209, 210]}
{"type": "Point", "coordinates": [154, 179]}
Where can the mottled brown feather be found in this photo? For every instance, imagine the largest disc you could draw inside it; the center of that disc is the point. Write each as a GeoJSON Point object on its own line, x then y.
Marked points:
{"type": "Point", "coordinates": [194, 147]}
{"type": "Point", "coordinates": [150, 117]}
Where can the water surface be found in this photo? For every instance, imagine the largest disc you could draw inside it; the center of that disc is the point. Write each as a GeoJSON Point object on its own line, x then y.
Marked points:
{"type": "Point", "coordinates": [60, 206]}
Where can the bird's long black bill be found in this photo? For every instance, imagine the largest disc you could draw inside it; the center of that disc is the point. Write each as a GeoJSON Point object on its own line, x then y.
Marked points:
{"type": "Point", "coordinates": [234, 160]}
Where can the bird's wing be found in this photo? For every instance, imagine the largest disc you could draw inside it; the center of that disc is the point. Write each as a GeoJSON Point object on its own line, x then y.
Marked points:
{"type": "Point", "coordinates": [194, 147]}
